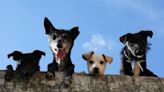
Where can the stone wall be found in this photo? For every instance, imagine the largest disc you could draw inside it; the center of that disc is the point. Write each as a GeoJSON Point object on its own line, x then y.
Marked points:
{"type": "Point", "coordinates": [82, 83]}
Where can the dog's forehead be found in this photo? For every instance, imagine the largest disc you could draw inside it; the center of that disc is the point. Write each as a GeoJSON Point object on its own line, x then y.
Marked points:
{"type": "Point", "coordinates": [60, 31]}
{"type": "Point", "coordinates": [97, 57]}
{"type": "Point", "coordinates": [28, 56]}
{"type": "Point", "coordinates": [136, 37]}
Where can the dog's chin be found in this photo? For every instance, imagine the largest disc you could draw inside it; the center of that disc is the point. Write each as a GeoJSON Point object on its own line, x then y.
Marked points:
{"type": "Point", "coordinates": [94, 73]}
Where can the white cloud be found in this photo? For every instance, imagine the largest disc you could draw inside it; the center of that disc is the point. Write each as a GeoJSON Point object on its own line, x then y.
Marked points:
{"type": "Point", "coordinates": [98, 43]}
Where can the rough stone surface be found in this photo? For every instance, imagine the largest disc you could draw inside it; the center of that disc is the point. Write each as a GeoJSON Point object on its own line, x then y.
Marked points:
{"type": "Point", "coordinates": [82, 83]}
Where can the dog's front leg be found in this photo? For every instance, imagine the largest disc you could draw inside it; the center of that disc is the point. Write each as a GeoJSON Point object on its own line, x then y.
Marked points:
{"type": "Point", "coordinates": [137, 69]}
{"type": "Point", "coordinates": [126, 68]}
{"type": "Point", "coordinates": [70, 70]}
{"type": "Point", "coordinates": [52, 68]}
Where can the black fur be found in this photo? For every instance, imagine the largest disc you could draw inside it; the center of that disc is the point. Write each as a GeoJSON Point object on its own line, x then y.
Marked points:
{"type": "Point", "coordinates": [29, 63]}
{"type": "Point", "coordinates": [137, 42]}
{"type": "Point", "coordinates": [9, 74]}
{"type": "Point", "coordinates": [66, 65]}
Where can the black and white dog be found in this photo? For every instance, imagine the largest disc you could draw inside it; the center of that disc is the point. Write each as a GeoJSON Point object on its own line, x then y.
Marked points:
{"type": "Point", "coordinates": [61, 42]}
{"type": "Point", "coordinates": [27, 64]}
{"type": "Point", "coordinates": [136, 46]}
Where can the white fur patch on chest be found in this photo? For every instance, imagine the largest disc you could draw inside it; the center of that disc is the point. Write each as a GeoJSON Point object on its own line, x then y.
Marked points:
{"type": "Point", "coordinates": [58, 61]}
{"type": "Point", "coordinates": [18, 62]}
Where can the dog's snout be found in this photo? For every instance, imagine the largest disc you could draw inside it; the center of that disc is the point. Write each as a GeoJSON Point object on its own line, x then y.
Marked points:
{"type": "Point", "coordinates": [139, 52]}
{"type": "Point", "coordinates": [59, 45]}
{"type": "Point", "coordinates": [96, 70]}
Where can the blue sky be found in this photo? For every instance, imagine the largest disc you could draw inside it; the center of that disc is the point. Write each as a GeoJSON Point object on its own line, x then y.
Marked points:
{"type": "Point", "coordinates": [101, 23]}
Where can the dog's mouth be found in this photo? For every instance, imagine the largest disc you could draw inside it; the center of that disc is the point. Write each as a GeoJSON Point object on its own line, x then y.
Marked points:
{"type": "Point", "coordinates": [60, 54]}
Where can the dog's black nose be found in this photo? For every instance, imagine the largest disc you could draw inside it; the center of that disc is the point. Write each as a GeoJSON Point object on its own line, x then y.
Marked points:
{"type": "Point", "coordinates": [139, 52]}
{"type": "Point", "coordinates": [96, 70]}
{"type": "Point", "coordinates": [59, 45]}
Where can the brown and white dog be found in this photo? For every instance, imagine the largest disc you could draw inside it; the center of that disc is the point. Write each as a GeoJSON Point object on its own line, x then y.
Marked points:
{"type": "Point", "coordinates": [96, 63]}
{"type": "Point", "coordinates": [61, 42]}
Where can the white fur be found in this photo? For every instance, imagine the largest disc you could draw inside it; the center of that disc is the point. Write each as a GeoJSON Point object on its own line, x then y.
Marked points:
{"type": "Point", "coordinates": [93, 66]}
{"type": "Point", "coordinates": [18, 62]}
{"type": "Point", "coordinates": [58, 61]}
{"type": "Point", "coordinates": [53, 46]}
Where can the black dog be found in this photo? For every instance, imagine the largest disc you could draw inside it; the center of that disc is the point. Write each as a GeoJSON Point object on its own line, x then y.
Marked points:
{"type": "Point", "coordinates": [135, 49]}
{"type": "Point", "coordinates": [9, 75]}
{"type": "Point", "coordinates": [61, 42]}
{"type": "Point", "coordinates": [27, 63]}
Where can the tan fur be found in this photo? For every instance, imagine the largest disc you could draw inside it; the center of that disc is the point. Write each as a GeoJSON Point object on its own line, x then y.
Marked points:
{"type": "Point", "coordinates": [136, 70]}
{"type": "Point", "coordinates": [96, 60]}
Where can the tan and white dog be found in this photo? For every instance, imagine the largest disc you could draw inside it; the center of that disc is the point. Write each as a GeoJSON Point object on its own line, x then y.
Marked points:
{"type": "Point", "coordinates": [96, 63]}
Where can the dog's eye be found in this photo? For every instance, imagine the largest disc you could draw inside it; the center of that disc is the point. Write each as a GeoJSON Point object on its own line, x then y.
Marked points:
{"type": "Point", "coordinates": [90, 62]}
{"type": "Point", "coordinates": [101, 62]}
{"type": "Point", "coordinates": [54, 37]}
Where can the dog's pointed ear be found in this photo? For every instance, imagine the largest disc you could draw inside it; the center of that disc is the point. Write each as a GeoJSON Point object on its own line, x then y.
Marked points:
{"type": "Point", "coordinates": [147, 33]}
{"type": "Point", "coordinates": [48, 25]}
{"type": "Point", "coordinates": [74, 32]}
{"type": "Point", "coordinates": [16, 55]}
{"type": "Point", "coordinates": [107, 58]}
{"type": "Point", "coordinates": [39, 53]}
{"type": "Point", "coordinates": [87, 56]}
{"type": "Point", "coordinates": [125, 38]}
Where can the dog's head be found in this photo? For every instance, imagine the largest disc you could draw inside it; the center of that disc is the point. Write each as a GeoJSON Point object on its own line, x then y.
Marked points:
{"type": "Point", "coordinates": [96, 63]}
{"type": "Point", "coordinates": [27, 63]}
{"type": "Point", "coordinates": [137, 43]}
{"type": "Point", "coordinates": [60, 40]}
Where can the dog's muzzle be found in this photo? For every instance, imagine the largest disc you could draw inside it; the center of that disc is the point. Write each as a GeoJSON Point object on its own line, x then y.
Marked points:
{"type": "Point", "coordinates": [137, 53]}
{"type": "Point", "coordinates": [95, 70]}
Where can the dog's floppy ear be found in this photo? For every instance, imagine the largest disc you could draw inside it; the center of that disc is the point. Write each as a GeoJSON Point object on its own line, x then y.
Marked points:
{"type": "Point", "coordinates": [74, 32]}
{"type": "Point", "coordinates": [146, 33]}
{"type": "Point", "coordinates": [87, 56]}
{"type": "Point", "coordinates": [107, 58]}
{"type": "Point", "coordinates": [38, 53]}
{"type": "Point", "coordinates": [16, 55]}
{"type": "Point", "coordinates": [48, 25]}
{"type": "Point", "coordinates": [125, 37]}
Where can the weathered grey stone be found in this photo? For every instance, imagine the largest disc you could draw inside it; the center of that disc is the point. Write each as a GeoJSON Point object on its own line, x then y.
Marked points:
{"type": "Point", "coordinates": [82, 83]}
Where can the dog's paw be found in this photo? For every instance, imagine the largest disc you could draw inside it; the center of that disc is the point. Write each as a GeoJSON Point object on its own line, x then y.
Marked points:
{"type": "Point", "coordinates": [82, 72]}
{"type": "Point", "coordinates": [50, 75]}
{"type": "Point", "coordinates": [122, 72]}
